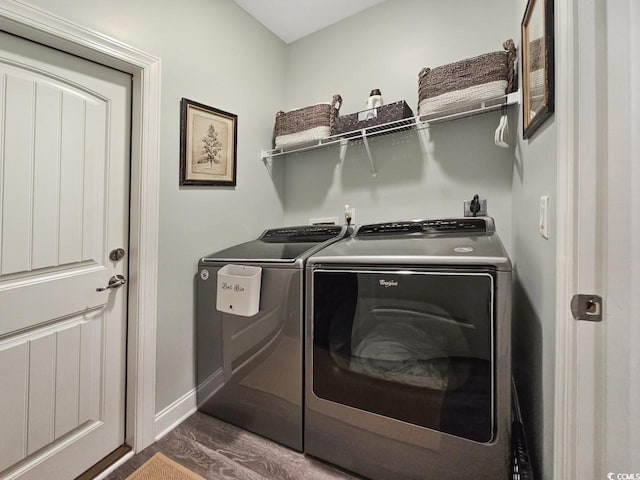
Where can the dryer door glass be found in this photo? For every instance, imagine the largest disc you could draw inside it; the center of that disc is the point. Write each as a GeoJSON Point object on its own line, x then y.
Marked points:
{"type": "Point", "coordinates": [416, 346]}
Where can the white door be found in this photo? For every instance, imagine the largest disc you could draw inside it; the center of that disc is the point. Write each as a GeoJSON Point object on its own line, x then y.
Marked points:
{"type": "Point", "coordinates": [64, 203]}
{"type": "Point", "coordinates": [602, 410]}
{"type": "Point", "coordinates": [617, 376]}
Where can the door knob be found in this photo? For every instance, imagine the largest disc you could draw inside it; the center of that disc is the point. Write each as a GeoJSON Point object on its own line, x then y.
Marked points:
{"type": "Point", "coordinates": [116, 254]}
{"type": "Point", "coordinates": [114, 282]}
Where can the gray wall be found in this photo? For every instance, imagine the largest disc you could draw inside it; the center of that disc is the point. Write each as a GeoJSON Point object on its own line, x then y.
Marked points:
{"type": "Point", "coordinates": [420, 175]}
{"type": "Point", "coordinates": [534, 257]}
{"type": "Point", "coordinates": [214, 53]}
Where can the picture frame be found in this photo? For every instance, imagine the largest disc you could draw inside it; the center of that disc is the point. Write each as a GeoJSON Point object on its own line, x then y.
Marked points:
{"type": "Point", "coordinates": [538, 76]}
{"type": "Point", "coordinates": [208, 145]}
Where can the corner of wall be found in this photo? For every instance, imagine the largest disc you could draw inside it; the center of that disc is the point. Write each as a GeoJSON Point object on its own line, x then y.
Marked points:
{"type": "Point", "coordinates": [534, 300]}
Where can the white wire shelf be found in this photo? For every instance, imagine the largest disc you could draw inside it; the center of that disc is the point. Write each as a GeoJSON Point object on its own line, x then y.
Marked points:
{"type": "Point", "coordinates": [412, 123]}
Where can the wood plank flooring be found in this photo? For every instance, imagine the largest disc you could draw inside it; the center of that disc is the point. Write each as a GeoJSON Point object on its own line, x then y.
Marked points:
{"type": "Point", "coordinates": [219, 451]}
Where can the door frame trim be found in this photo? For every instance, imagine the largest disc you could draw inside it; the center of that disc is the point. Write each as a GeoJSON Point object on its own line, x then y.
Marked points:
{"type": "Point", "coordinates": [598, 152]}
{"type": "Point", "coordinates": [577, 431]}
{"type": "Point", "coordinates": [37, 25]}
{"type": "Point", "coordinates": [564, 426]}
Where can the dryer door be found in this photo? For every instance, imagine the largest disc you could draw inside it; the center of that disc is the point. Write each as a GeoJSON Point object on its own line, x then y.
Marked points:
{"type": "Point", "coordinates": [415, 346]}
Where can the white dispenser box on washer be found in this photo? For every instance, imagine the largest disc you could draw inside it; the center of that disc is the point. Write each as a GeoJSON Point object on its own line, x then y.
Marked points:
{"type": "Point", "coordinates": [239, 290]}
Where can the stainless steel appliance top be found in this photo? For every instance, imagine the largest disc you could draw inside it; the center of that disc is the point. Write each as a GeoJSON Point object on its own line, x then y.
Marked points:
{"type": "Point", "coordinates": [281, 245]}
{"type": "Point", "coordinates": [453, 241]}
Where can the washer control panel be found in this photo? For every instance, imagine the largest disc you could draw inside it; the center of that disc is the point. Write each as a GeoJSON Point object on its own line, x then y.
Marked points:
{"type": "Point", "coordinates": [305, 233]}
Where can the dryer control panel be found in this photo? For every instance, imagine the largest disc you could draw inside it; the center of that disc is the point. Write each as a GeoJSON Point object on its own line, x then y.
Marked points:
{"type": "Point", "coordinates": [482, 225]}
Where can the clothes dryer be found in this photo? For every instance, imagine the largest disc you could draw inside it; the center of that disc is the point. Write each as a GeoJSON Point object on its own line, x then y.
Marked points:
{"type": "Point", "coordinates": [408, 356]}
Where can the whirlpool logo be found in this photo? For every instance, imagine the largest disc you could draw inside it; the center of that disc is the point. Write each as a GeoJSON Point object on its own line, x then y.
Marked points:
{"type": "Point", "coordinates": [388, 283]}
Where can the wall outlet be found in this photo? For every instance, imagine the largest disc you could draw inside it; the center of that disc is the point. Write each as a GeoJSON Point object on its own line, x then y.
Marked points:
{"type": "Point", "coordinates": [481, 213]}
{"type": "Point", "coordinates": [324, 221]}
{"type": "Point", "coordinates": [353, 215]}
{"type": "Point", "coordinates": [350, 211]}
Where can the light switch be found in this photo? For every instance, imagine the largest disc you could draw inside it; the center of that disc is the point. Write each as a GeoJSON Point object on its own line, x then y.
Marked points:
{"type": "Point", "coordinates": [544, 217]}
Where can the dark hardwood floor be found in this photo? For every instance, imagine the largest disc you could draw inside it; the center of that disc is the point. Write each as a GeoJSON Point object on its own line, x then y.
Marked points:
{"type": "Point", "coordinates": [219, 451]}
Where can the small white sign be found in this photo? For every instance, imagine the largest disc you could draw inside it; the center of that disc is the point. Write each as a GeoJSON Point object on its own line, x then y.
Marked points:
{"type": "Point", "coordinates": [463, 249]}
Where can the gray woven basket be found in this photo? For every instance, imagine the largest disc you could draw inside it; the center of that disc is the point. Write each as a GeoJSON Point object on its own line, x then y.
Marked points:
{"type": "Point", "coordinates": [467, 81]}
{"type": "Point", "coordinates": [307, 118]}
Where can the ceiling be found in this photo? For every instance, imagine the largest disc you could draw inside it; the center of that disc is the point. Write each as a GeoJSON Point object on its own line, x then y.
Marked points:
{"type": "Point", "coordinates": [294, 19]}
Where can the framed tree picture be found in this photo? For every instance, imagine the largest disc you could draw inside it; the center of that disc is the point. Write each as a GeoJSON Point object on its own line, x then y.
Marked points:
{"type": "Point", "coordinates": [537, 65]}
{"type": "Point", "coordinates": [208, 141]}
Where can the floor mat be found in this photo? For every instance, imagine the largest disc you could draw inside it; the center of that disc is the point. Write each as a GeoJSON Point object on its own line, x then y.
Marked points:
{"type": "Point", "coordinates": [160, 467]}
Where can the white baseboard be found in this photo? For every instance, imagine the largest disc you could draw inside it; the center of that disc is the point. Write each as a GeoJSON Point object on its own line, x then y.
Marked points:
{"type": "Point", "coordinates": [175, 414]}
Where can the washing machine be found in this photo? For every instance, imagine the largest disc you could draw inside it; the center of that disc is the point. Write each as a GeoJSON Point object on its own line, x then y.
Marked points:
{"type": "Point", "coordinates": [249, 367]}
{"type": "Point", "coordinates": [408, 360]}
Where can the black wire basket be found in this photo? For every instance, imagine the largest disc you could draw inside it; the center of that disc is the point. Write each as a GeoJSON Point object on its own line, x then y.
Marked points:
{"type": "Point", "coordinates": [350, 125]}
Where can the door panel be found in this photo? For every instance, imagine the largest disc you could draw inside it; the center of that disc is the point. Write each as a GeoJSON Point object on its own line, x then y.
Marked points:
{"type": "Point", "coordinates": [54, 390]}
{"type": "Point", "coordinates": [93, 199]}
{"type": "Point", "coordinates": [13, 380]}
{"type": "Point", "coordinates": [58, 294]}
{"type": "Point", "coordinates": [46, 177]}
{"type": "Point", "coordinates": [67, 380]}
{"type": "Point", "coordinates": [54, 167]}
{"type": "Point", "coordinates": [16, 195]}
{"type": "Point", "coordinates": [91, 355]}
{"type": "Point", "coordinates": [41, 402]}
{"type": "Point", "coordinates": [64, 178]}
{"type": "Point", "coordinates": [72, 156]}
